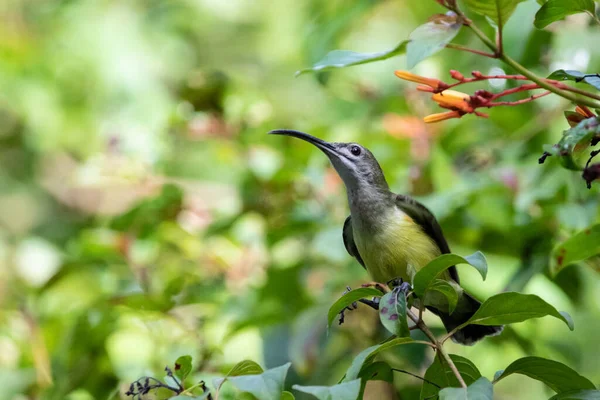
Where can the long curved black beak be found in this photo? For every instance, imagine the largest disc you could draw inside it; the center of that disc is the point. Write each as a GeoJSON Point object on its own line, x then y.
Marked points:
{"type": "Point", "coordinates": [326, 147]}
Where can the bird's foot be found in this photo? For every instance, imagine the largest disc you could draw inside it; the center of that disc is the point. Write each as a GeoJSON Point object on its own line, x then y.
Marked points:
{"type": "Point", "coordinates": [374, 304]}
{"type": "Point", "coordinates": [351, 307]}
{"type": "Point", "coordinates": [399, 284]}
{"type": "Point", "coordinates": [377, 285]}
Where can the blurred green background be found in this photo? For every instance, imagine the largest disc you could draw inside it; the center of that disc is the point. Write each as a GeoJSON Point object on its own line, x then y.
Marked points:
{"type": "Point", "coordinates": [145, 214]}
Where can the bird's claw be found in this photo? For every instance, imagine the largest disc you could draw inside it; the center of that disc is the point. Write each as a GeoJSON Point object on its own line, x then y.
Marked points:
{"type": "Point", "coordinates": [351, 307]}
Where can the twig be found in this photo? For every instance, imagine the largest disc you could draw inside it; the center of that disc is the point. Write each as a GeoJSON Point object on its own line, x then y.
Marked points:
{"type": "Point", "coordinates": [514, 103]}
{"type": "Point", "coordinates": [467, 49]}
{"type": "Point", "coordinates": [416, 376]}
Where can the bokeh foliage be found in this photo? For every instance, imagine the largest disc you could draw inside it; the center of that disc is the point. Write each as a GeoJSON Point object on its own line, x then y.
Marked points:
{"type": "Point", "coordinates": [145, 214]}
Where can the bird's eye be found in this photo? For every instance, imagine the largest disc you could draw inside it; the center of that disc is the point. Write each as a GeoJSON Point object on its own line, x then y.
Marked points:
{"type": "Point", "coordinates": [355, 150]}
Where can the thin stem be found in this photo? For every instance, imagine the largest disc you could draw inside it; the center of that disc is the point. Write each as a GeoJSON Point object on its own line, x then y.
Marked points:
{"type": "Point", "coordinates": [578, 91]}
{"type": "Point", "coordinates": [522, 101]}
{"type": "Point", "coordinates": [438, 346]}
{"type": "Point", "coordinates": [416, 376]}
{"type": "Point", "coordinates": [463, 48]}
{"type": "Point", "coordinates": [499, 37]}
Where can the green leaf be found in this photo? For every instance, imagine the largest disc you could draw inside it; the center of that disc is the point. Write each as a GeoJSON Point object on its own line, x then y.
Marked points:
{"type": "Point", "coordinates": [392, 313]}
{"type": "Point", "coordinates": [554, 10]}
{"type": "Point", "coordinates": [431, 37]}
{"type": "Point", "coordinates": [367, 355]}
{"type": "Point", "coordinates": [499, 11]}
{"type": "Point", "coordinates": [577, 76]}
{"type": "Point", "coordinates": [439, 372]}
{"type": "Point", "coordinates": [481, 389]}
{"type": "Point", "coordinates": [571, 149]}
{"type": "Point", "coordinates": [578, 395]}
{"type": "Point", "coordinates": [346, 58]}
{"type": "Point", "coordinates": [377, 371]}
{"type": "Point", "coordinates": [348, 299]}
{"type": "Point", "coordinates": [557, 376]}
{"type": "Point", "coordinates": [512, 307]}
{"type": "Point", "coordinates": [246, 367]}
{"type": "Point", "coordinates": [427, 275]}
{"type": "Point", "coordinates": [183, 367]}
{"type": "Point", "coordinates": [287, 396]}
{"type": "Point", "coordinates": [343, 391]}
{"type": "Point", "coordinates": [183, 397]}
{"type": "Point", "coordinates": [449, 291]}
{"type": "Point", "coordinates": [578, 247]}
{"type": "Point", "coordinates": [265, 386]}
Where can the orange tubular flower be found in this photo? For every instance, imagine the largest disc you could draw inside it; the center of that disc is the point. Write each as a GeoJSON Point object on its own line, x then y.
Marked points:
{"type": "Point", "coordinates": [453, 100]}
{"type": "Point", "coordinates": [442, 116]}
{"type": "Point", "coordinates": [431, 82]}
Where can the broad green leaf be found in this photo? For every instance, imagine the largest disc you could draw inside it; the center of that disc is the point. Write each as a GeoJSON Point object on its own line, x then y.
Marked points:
{"type": "Point", "coordinates": [448, 290]}
{"type": "Point", "coordinates": [342, 391]}
{"type": "Point", "coordinates": [246, 367]}
{"type": "Point", "coordinates": [512, 307]}
{"type": "Point", "coordinates": [557, 376]}
{"type": "Point", "coordinates": [431, 37]}
{"type": "Point", "coordinates": [499, 11]}
{"type": "Point", "coordinates": [554, 10]}
{"type": "Point", "coordinates": [427, 275]}
{"type": "Point", "coordinates": [571, 149]}
{"type": "Point", "coordinates": [348, 299]}
{"type": "Point", "coordinates": [439, 372]}
{"type": "Point", "coordinates": [183, 367]}
{"type": "Point", "coordinates": [577, 76]}
{"type": "Point", "coordinates": [346, 58]}
{"type": "Point", "coordinates": [369, 353]}
{"type": "Point", "coordinates": [287, 396]}
{"type": "Point", "coordinates": [481, 389]}
{"type": "Point", "coordinates": [578, 247]}
{"type": "Point", "coordinates": [578, 395]}
{"type": "Point", "coordinates": [392, 313]}
{"type": "Point", "coordinates": [265, 386]}
{"type": "Point", "coordinates": [183, 397]}
{"type": "Point", "coordinates": [377, 371]}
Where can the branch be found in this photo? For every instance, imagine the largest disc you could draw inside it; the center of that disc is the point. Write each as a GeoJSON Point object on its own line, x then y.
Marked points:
{"type": "Point", "coordinates": [515, 103]}
{"type": "Point", "coordinates": [463, 48]}
{"type": "Point", "coordinates": [416, 376]}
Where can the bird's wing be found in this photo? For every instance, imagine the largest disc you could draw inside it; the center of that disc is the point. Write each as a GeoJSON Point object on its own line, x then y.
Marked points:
{"type": "Point", "coordinates": [425, 219]}
{"type": "Point", "coordinates": [348, 238]}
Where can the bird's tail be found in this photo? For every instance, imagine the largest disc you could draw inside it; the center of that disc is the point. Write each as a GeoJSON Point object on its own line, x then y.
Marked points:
{"type": "Point", "coordinates": [466, 307]}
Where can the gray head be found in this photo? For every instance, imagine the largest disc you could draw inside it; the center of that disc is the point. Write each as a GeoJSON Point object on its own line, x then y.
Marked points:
{"type": "Point", "coordinates": [354, 163]}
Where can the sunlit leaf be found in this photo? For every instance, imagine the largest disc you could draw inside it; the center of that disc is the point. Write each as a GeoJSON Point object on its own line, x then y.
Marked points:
{"type": "Point", "coordinates": [265, 386]}
{"type": "Point", "coordinates": [367, 355]}
{"type": "Point", "coordinates": [431, 37]}
{"type": "Point", "coordinates": [343, 391]}
{"type": "Point", "coordinates": [481, 389]}
{"type": "Point", "coordinates": [439, 373]}
{"type": "Point", "coordinates": [246, 367]}
{"type": "Point", "coordinates": [578, 247]}
{"type": "Point", "coordinates": [392, 313]}
{"type": "Point", "coordinates": [183, 367]}
{"type": "Point", "coordinates": [349, 298]}
{"type": "Point", "coordinates": [571, 149]}
{"type": "Point", "coordinates": [511, 307]}
{"type": "Point", "coordinates": [287, 396]}
{"type": "Point", "coordinates": [496, 10]}
{"type": "Point", "coordinates": [427, 275]}
{"type": "Point", "coordinates": [554, 10]}
{"type": "Point", "coordinates": [577, 76]}
{"type": "Point", "coordinates": [578, 395]}
{"type": "Point", "coordinates": [346, 58]}
{"type": "Point", "coordinates": [556, 375]}
{"type": "Point", "coordinates": [377, 371]}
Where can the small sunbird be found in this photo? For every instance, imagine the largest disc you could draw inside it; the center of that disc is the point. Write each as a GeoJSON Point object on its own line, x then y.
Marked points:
{"type": "Point", "coordinates": [392, 235]}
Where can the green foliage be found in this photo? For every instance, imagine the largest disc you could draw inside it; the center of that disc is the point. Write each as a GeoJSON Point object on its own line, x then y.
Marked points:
{"type": "Point", "coordinates": [499, 11]}
{"type": "Point", "coordinates": [431, 37]}
{"type": "Point", "coordinates": [246, 367]}
{"type": "Point", "coordinates": [348, 299]}
{"type": "Point", "coordinates": [439, 375]}
{"type": "Point", "coordinates": [449, 291]}
{"type": "Point", "coordinates": [481, 389]}
{"type": "Point", "coordinates": [267, 386]}
{"type": "Point", "coordinates": [511, 307]}
{"type": "Point", "coordinates": [392, 313]}
{"type": "Point", "coordinates": [579, 247]}
{"type": "Point", "coordinates": [366, 357]}
{"type": "Point", "coordinates": [577, 76]}
{"type": "Point", "coordinates": [557, 376]}
{"type": "Point", "coordinates": [578, 395]}
{"type": "Point", "coordinates": [555, 10]}
{"type": "Point", "coordinates": [346, 58]}
{"type": "Point", "coordinates": [571, 149]}
{"type": "Point", "coordinates": [183, 367]}
{"type": "Point", "coordinates": [427, 275]}
{"type": "Point", "coordinates": [343, 391]}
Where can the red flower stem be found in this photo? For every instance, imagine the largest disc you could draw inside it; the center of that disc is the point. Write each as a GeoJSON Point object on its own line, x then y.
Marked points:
{"type": "Point", "coordinates": [467, 49]}
{"type": "Point", "coordinates": [522, 88]}
{"type": "Point", "coordinates": [515, 103]}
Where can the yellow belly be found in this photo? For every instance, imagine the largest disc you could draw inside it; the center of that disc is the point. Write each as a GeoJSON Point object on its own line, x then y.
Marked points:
{"type": "Point", "coordinates": [398, 249]}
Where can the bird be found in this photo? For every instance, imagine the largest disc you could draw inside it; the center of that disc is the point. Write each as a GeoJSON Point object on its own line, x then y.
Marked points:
{"type": "Point", "coordinates": [392, 235]}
